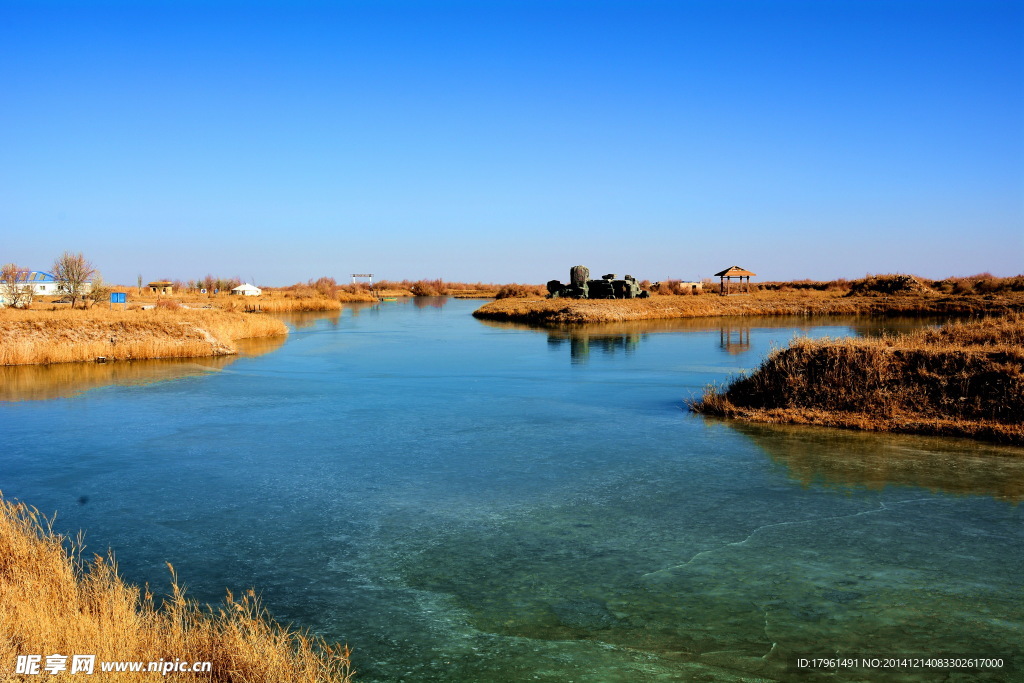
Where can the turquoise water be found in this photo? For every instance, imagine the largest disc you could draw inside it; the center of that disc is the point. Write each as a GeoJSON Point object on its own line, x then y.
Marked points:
{"type": "Point", "coordinates": [463, 501]}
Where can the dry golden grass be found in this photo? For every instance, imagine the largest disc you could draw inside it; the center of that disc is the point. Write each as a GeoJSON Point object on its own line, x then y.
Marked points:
{"type": "Point", "coordinates": [273, 300]}
{"type": "Point", "coordinates": [280, 304]}
{"type": "Point", "coordinates": [980, 284]}
{"type": "Point", "coordinates": [76, 335]}
{"type": "Point", "coordinates": [280, 300]}
{"type": "Point", "coordinates": [53, 601]}
{"type": "Point", "coordinates": [805, 302]}
{"type": "Point", "coordinates": [962, 379]}
{"type": "Point", "coordinates": [516, 290]}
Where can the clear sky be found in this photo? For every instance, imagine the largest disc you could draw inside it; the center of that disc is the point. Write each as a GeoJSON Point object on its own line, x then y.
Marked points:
{"type": "Point", "coordinates": [504, 141]}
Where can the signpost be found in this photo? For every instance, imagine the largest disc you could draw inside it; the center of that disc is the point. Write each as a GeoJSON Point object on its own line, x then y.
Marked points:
{"type": "Point", "coordinates": [118, 298]}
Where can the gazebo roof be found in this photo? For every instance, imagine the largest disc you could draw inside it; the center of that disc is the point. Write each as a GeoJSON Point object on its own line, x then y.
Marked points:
{"type": "Point", "coordinates": [735, 271]}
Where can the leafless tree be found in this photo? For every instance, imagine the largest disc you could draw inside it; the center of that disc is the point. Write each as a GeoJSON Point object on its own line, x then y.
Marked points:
{"type": "Point", "coordinates": [14, 286]}
{"type": "Point", "coordinates": [73, 273]}
{"type": "Point", "coordinates": [99, 290]}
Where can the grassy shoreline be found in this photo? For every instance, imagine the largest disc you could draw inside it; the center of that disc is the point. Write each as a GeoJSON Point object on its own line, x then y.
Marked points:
{"type": "Point", "coordinates": [62, 336]}
{"type": "Point", "coordinates": [962, 379]}
{"type": "Point", "coordinates": [802, 303]}
{"type": "Point", "coordinates": [54, 600]}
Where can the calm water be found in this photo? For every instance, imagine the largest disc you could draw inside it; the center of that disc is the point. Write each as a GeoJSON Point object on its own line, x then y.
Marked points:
{"type": "Point", "coordinates": [463, 501]}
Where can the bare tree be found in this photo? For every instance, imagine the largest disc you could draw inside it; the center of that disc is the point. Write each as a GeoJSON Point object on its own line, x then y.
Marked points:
{"type": "Point", "coordinates": [14, 286]}
{"type": "Point", "coordinates": [139, 281]}
{"type": "Point", "coordinates": [72, 273]}
{"type": "Point", "coordinates": [98, 291]}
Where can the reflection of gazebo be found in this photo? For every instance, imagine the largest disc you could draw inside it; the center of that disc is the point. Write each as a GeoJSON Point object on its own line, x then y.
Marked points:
{"type": "Point", "coordinates": [734, 339]}
{"type": "Point", "coordinates": [730, 273]}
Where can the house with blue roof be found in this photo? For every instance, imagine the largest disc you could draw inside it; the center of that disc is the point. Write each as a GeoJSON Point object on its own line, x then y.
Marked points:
{"type": "Point", "coordinates": [41, 282]}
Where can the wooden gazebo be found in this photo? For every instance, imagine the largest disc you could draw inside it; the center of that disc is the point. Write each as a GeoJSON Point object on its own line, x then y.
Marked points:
{"type": "Point", "coordinates": [733, 273]}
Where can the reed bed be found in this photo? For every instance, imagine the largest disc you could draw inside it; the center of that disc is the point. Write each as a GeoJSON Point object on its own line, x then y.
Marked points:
{"type": "Point", "coordinates": [282, 304]}
{"type": "Point", "coordinates": [962, 379]}
{"type": "Point", "coordinates": [62, 336]}
{"type": "Point", "coordinates": [518, 291]}
{"type": "Point", "coordinates": [806, 302]}
{"type": "Point", "coordinates": [54, 600]}
{"type": "Point", "coordinates": [979, 284]}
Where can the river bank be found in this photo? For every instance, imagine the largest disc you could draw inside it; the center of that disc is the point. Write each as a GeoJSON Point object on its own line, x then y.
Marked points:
{"type": "Point", "coordinates": [61, 336]}
{"type": "Point", "coordinates": [962, 379]}
{"type": "Point", "coordinates": [802, 303]}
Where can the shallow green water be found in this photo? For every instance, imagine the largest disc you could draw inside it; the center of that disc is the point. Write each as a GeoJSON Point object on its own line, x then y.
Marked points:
{"type": "Point", "coordinates": [463, 501]}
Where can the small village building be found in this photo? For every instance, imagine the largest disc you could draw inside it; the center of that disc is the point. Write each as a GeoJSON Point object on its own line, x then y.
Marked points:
{"type": "Point", "coordinates": [161, 287]}
{"type": "Point", "coordinates": [41, 283]}
{"type": "Point", "coordinates": [734, 273]}
{"type": "Point", "coordinates": [245, 289]}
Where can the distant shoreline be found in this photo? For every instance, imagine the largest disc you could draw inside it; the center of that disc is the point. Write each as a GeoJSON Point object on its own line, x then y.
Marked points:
{"type": "Point", "coordinates": [584, 311]}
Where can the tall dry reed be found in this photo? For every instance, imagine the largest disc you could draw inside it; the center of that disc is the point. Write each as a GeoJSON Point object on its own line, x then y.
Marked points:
{"type": "Point", "coordinates": [77, 335]}
{"type": "Point", "coordinates": [52, 600]}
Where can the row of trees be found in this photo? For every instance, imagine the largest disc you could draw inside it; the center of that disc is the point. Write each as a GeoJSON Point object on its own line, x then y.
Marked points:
{"type": "Point", "coordinates": [211, 284]}
{"type": "Point", "coordinates": [76, 277]}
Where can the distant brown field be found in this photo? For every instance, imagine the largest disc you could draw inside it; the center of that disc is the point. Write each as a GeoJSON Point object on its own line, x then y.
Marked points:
{"type": "Point", "coordinates": [963, 379]}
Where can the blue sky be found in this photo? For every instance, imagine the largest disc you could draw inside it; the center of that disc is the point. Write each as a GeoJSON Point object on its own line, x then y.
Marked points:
{"type": "Point", "coordinates": [506, 141]}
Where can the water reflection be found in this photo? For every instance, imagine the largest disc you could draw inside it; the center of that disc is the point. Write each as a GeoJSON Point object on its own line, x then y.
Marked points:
{"type": "Point", "coordinates": [581, 341]}
{"type": "Point", "coordinates": [300, 320]}
{"type": "Point", "coordinates": [303, 319]}
{"type": "Point", "coordinates": [847, 459]}
{"type": "Point", "coordinates": [733, 332]}
{"type": "Point", "coordinates": [429, 301]}
{"type": "Point", "coordinates": [876, 327]}
{"type": "Point", "coordinates": [62, 380]}
{"type": "Point", "coordinates": [734, 339]}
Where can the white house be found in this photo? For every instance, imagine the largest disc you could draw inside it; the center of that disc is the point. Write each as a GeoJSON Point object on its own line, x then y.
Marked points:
{"type": "Point", "coordinates": [42, 283]}
{"type": "Point", "coordinates": [245, 289]}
